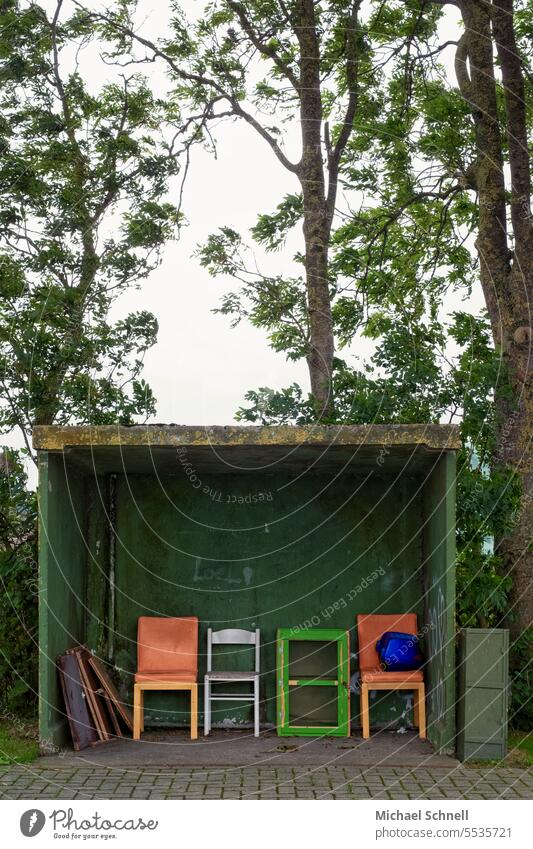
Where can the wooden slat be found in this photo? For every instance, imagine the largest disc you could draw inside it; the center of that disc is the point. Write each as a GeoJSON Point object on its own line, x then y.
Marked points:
{"type": "Point", "coordinates": [96, 703]}
{"type": "Point", "coordinates": [111, 711]}
{"type": "Point", "coordinates": [122, 710]}
{"type": "Point", "coordinates": [111, 691]}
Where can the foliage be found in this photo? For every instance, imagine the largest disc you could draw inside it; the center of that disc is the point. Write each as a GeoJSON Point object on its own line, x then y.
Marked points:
{"type": "Point", "coordinates": [276, 304]}
{"type": "Point", "coordinates": [19, 587]}
{"type": "Point", "coordinates": [401, 237]}
{"type": "Point", "coordinates": [84, 172]}
{"type": "Point", "coordinates": [304, 76]}
{"type": "Point", "coordinates": [521, 710]}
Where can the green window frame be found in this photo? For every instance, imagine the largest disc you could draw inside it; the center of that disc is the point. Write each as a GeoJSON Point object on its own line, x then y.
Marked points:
{"type": "Point", "coordinates": [287, 682]}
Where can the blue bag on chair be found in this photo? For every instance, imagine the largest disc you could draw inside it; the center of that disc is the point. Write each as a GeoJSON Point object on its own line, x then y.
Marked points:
{"type": "Point", "coordinates": [399, 652]}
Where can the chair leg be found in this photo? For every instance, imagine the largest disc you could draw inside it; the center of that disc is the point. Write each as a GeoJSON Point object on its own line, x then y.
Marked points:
{"type": "Point", "coordinates": [137, 711]}
{"type": "Point", "coordinates": [365, 718]}
{"type": "Point", "coordinates": [256, 707]}
{"type": "Point", "coordinates": [207, 696]}
{"type": "Point", "coordinates": [142, 709]}
{"type": "Point", "coordinates": [416, 698]}
{"type": "Point", "coordinates": [421, 698]}
{"type": "Point", "coordinates": [194, 711]}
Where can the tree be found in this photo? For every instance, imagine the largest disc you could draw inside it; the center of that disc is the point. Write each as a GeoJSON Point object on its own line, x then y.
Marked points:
{"type": "Point", "coordinates": [443, 180]}
{"type": "Point", "coordinates": [314, 57]}
{"type": "Point", "coordinates": [19, 585]}
{"type": "Point", "coordinates": [84, 171]}
{"type": "Point", "coordinates": [502, 137]}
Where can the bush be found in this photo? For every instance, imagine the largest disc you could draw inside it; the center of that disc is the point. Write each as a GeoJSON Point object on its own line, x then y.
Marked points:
{"type": "Point", "coordinates": [521, 669]}
{"type": "Point", "coordinates": [19, 587]}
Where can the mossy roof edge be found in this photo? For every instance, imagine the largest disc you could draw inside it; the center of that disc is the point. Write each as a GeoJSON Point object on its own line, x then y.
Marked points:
{"type": "Point", "coordinates": [432, 436]}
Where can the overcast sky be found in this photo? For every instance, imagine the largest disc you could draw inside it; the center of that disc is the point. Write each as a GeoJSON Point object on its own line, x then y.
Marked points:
{"type": "Point", "coordinates": [200, 368]}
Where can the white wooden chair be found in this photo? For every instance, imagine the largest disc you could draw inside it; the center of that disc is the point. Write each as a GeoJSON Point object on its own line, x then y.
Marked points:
{"type": "Point", "coordinates": [228, 637]}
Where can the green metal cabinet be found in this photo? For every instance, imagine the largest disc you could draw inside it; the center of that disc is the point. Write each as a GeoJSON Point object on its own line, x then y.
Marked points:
{"type": "Point", "coordinates": [483, 694]}
{"type": "Point", "coordinates": [313, 676]}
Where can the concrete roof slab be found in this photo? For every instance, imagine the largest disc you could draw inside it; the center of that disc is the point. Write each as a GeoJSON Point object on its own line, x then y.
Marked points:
{"type": "Point", "coordinates": [163, 449]}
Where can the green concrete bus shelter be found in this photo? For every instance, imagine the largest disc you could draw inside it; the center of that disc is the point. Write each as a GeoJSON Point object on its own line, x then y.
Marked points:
{"type": "Point", "coordinates": [252, 527]}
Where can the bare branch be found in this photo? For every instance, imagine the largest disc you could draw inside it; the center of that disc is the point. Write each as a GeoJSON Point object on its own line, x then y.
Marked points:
{"type": "Point", "coordinates": [461, 68]}
{"type": "Point", "coordinates": [200, 79]}
{"type": "Point", "coordinates": [242, 113]}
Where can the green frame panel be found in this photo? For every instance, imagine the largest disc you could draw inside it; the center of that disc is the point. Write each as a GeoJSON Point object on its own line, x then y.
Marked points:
{"type": "Point", "coordinates": [284, 683]}
{"type": "Point", "coordinates": [483, 697]}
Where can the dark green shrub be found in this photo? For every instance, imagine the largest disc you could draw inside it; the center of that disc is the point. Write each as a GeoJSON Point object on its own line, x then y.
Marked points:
{"type": "Point", "coordinates": [18, 586]}
{"type": "Point", "coordinates": [521, 668]}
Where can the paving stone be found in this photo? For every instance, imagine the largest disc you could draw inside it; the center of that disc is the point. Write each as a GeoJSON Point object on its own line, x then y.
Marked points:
{"type": "Point", "coordinates": [283, 783]}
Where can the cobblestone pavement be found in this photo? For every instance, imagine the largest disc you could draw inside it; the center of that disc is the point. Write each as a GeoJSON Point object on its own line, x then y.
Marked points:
{"type": "Point", "coordinates": [28, 781]}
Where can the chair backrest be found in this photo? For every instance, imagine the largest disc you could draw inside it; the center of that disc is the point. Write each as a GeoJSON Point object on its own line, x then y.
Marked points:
{"type": "Point", "coordinates": [232, 637]}
{"type": "Point", "coordinates": [371, 626]}
{"type": "Point", "coordinates": [167, 645]}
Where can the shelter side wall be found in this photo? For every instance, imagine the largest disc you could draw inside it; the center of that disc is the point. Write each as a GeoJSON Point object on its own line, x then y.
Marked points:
{"type": "Point", "coordinates": [100, 579]}
{"type": "Point", "coordinates": [62, 574]}
{"type": "Point", "coordinates": [439, 567]}
{"type": "Point", "coordinates": [262, 550]}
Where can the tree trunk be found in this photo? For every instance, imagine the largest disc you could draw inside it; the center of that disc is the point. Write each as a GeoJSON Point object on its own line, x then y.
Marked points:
{"type": "Point", "coordinates": [478, 87]}
{"type": "Point", "coordinates": [515, 549]}
{"type": "Point", "coordinates": [317, 222]}
{"type": "Point", "coordinates": [515, 445]}
{"type": "Point", "coordinates": [320, 357]}
{"type": "Point", "coordinates": [506, 276]}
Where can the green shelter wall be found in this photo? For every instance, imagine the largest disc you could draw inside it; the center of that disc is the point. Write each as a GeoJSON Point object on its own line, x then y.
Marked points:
{"type": "Point", "coordinates": [439, 573]}
{"type": "Point", "coordinates": [99, 593]}
{"type": "Point", "coordinates": [260, 550]}
{"type": "Point", "coordinates": [62, 576]}
{"type": "Point", "coordinates": [253, 549]}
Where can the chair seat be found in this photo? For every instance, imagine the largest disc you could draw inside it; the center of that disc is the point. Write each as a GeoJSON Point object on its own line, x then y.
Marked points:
{"type": "Point", "coordinates": [231, 676]}
{"type": "Point", "coordinates": [166, 677]}
{"type": "Point", "coordinates": [370, 677]}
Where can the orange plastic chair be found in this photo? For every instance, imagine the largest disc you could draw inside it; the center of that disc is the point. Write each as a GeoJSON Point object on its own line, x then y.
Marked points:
{"type": "Point", "coordinates": [167, 659]}
{"type": "Point", "coordinates": [370, 628]}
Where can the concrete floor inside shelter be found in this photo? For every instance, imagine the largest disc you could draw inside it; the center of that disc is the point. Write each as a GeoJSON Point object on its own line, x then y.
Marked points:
{"type": "Point", "coordinates": [164, 747]}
